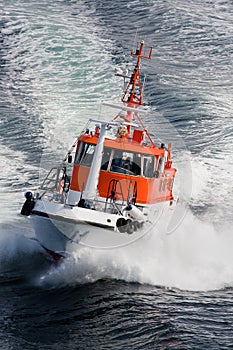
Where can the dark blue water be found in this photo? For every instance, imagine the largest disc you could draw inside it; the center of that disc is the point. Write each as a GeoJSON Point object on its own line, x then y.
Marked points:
{"type": "Point", "coordinates": [57, 61]}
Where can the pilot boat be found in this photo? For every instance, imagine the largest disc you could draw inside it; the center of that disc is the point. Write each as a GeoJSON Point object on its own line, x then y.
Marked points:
{"type": "Point", "coordinates": [112, 185]}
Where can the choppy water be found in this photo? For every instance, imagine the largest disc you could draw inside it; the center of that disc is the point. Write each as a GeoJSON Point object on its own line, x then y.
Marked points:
{"type": "Point", "coordinates": [57, 61]}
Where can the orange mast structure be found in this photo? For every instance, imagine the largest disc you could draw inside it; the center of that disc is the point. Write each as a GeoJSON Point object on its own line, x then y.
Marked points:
{"type": "Point", "coordinates": [133, 95]}
{"type": "Point", "coordinates": [133, 92]}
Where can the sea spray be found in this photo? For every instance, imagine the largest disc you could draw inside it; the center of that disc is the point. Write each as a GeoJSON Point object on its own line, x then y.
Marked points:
{"type": "Point", "coordinates": [195, 257]}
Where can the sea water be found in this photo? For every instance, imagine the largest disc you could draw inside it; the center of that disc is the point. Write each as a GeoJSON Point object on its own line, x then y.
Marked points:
{"type": "Point", "coordinates": [171, 290]}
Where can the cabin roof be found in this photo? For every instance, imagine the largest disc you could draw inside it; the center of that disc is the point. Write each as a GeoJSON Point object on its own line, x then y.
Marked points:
{"type": "Point", "coordinates": [126, 144]}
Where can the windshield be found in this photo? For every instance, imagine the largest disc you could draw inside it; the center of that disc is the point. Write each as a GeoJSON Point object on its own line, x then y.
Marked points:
{"type": "Point", "coordinates": [85, 154]}
{"type": "Point", "coordinates": [125, 162]}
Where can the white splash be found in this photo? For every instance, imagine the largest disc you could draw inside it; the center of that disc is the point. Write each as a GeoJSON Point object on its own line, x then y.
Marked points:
{"type": "Point", "coordinates": [194, 257]}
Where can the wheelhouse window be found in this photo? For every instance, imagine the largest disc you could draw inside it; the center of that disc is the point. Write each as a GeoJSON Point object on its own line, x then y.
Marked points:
{"type": "Point", "coordinates": [126, 163]}
{"type": "Point", "coordinates": [117, 161]}
{"type": "Point", "coordinates": [129, 163]}
{"type": "Point", "coordinates": [85, 154]}
{"type": "Point", "coordinates": [148, 165]}
{"type": "Point", "coordinates": [106, 158]}
{"type": "Point", "coordinates": [123, 162]}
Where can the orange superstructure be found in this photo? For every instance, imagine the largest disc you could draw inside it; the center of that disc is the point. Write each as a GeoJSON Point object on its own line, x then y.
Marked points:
{"type": "Point", "coordinates": [152, 185]}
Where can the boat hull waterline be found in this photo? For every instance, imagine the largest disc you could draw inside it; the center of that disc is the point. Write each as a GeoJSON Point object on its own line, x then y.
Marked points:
{"type": "Point", "coordinates": [63, 234]}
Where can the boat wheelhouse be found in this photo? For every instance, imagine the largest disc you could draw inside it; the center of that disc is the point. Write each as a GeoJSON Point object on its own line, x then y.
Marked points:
{"type": "Point", "coordinates": [125, 158]}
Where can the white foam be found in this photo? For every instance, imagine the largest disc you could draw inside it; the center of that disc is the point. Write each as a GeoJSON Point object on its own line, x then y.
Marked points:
{"type": "Point", "coordinates": [194, 257]}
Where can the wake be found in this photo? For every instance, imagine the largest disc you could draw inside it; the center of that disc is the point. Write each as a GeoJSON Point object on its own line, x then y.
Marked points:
{"type": "Point", "coordinates": [193, 257]}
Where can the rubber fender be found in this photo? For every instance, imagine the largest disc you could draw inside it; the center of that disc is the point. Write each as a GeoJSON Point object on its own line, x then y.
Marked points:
{"type": "Point", "coordinates": [137, 225]}
{"type": "Point", "coordinates": [134, 212]}
{"type": "Point", "coordinates": [130, 227]}
{"type": "Point", "coordinates": [121, 224]}
{"type": "Point", "coordinates": [28, 206]}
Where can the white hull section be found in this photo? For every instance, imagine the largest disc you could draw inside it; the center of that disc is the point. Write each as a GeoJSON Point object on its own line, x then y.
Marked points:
{"type": "Point", "coordinates": [64, 229]}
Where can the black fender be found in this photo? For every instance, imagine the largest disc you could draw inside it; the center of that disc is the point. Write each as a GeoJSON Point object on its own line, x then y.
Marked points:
{"type": "Point", "coordinates": [28, 206]}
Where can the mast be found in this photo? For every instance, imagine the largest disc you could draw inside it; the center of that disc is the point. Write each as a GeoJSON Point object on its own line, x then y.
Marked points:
{"type": "Point", "coordinates": [132, 96]}
{"type": "Point", "coordinates": [134, 89]}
